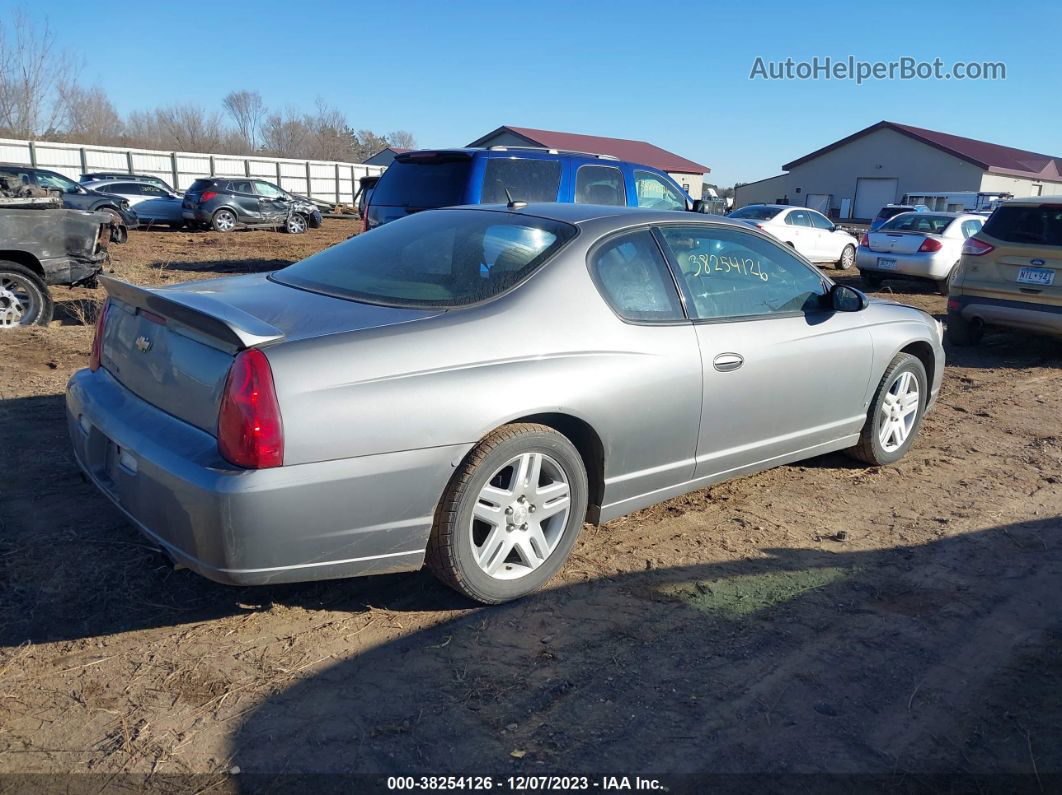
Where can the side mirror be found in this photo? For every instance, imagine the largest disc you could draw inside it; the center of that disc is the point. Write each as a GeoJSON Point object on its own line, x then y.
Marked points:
{"type": "Point", "coordinates": [847, 299]}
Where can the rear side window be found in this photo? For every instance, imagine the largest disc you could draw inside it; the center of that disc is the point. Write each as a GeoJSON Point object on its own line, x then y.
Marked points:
{"type": "Point", "coordinates": [798, 218]}
{"type": "Point", "coordinates": [446, 258]}
{"type": "Point", "coordinates": [1018, 224]}
{"type": "Point", "coordinates": [527, 180]}
{"type": "Point", "coordinates": [599, 185]}
{"type": "Point", "coordinates": [240, 186]}
{"type": "Point", "coordinates": [423, 183]}
{"type": "Point", "coordinates": [635, 280]}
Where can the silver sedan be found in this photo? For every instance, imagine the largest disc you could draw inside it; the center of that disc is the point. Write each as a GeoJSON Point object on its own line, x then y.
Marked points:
{"type": "Point", "coordinates": [465, 387]}
{"type": "Point", "coordinates": [151, 203]}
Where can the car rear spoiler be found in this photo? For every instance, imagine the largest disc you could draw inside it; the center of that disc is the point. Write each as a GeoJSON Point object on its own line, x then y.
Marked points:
{"type": "Point", "coordinates": [219, 321]}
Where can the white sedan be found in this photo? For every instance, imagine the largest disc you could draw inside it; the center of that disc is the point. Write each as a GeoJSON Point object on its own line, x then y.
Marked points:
{"type": "Point", "coordinates": [808, 231]}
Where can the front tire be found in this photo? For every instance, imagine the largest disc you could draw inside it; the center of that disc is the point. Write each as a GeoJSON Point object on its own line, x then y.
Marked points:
{"type": "Point", "coordinates": [895, 414]}
{"type": "Point", "coordinates": [847, 259]}
{"type": "Point", "coordinates": [510, 515]}
{"type": "Point", "coordinates": [295, 224]}
{"type": "Point", "coordinates": [24, 298]}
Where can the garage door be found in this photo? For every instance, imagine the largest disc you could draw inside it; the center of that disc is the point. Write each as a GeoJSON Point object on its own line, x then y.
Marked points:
{"type": "Point", "coordinates": [873, 193]}
{"type": "Point", "coordinates": [819, 201]}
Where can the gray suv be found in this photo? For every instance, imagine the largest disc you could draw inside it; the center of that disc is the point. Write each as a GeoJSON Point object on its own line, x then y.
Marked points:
{"type": "Point", "coordinates": [227, 203]}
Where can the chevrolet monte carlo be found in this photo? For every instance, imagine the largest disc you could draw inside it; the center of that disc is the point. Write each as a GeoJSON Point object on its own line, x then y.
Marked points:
{"type": "Point", "coordinates": [465, 387]}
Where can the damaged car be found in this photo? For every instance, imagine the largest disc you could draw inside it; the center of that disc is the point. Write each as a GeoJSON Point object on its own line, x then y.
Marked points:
{"type": "Point", "coordinates": [43, 244]}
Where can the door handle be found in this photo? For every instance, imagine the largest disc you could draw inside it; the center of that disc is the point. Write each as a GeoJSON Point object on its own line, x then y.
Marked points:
{"type": "Point", "coordinates": [725, 362]}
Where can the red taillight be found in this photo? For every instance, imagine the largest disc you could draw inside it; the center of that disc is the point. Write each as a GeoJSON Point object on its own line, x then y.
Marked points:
{"type": "Point", "coordinates": [929, 244]}
{"type": "Point", "coordinates": [953, 303]}
{"type": "Point", "coordinates": [864, 241]}
{"type": "Point", "coordinates": [205, 197]}
{"type": "Point", "coordinates": [97, 341]}
{"type": "Point", "coordinates": [975, 247]}
{"type": "Point", "coordinates": [250, 431]}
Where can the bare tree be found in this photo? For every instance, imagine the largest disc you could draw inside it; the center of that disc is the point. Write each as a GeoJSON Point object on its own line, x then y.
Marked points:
{"type": "Point", "coordinates": [367, 143]}
{"type": "Point", "coordinates": [32, 73]}
{"type": "Point", "coordinates": [401, 139]}
{"type": "Point", "coordinates": [91, 116]}
{"type": "Point", "coordinates": [247, 110]}
{"type": "Point", "coordinates": [190, 128]}
{"type": "Point", "coordinates": [285, 134]}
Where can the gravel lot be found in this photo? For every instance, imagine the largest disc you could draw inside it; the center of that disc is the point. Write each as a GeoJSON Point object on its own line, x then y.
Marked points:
{"type": "Point", "coordinates": [819, 617]}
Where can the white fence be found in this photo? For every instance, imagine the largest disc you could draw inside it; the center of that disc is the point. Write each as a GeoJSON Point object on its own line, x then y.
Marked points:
{"type": "Point", "coordinates": [322, 180]}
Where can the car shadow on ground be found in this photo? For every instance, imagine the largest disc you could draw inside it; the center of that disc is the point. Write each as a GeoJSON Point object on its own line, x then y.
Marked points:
{"type": "Point", "coordinates": [226, 267]}
{"type": "Point", "coordinates": [941, 658]}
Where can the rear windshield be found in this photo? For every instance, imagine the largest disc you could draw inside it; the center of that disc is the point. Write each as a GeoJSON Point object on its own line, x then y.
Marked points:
{"type": "Point", "coordinates": [200, 185]}
{"type": "Point", "coordinates": [917, 222]}
{"type": "Point", "coordinates": [889, 212]}
{"type": "Point", "coordinates": [756, 213]}
{"type": "Point", "coordinates": [423, 184]}
{"type": "Point", "coordinates": [1017, 224]}
{"type": "Point", "coordinates": [444, 258]}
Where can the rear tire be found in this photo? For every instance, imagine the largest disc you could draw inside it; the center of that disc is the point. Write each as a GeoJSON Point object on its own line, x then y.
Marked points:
{"type": "Point", "coordinates": [962, 332]}
{"type": "Point", "coordinates": [24, 297]}
{"type": "Point", "coordinates": [224, 220]}
{"type": "Point", "coordinates": [487, 541]}
{"type": "Point", "coordinates": [847, 259]}
{"type": "Point", "coordinates": [904, 380]}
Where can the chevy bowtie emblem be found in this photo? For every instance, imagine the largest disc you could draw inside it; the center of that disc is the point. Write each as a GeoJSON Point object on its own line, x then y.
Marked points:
{"type": "Point", "coordinates": [143, 344]}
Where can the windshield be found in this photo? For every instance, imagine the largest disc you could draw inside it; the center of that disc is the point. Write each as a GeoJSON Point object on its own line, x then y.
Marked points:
{"type": "Point", "coordinates": [917, 222]}
{"type": "Point", "coordinates": [446, 258]}
{"type": "Point", "coordinates": [437, 181]}
{"type": "Point", "coordinates": [756, 212]}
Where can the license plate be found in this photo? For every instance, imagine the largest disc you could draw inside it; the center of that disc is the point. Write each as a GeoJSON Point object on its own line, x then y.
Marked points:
{"type": "Point", "coordinates": [1041, 276]}
{"type": "Point", "coordinates": [886, 264]}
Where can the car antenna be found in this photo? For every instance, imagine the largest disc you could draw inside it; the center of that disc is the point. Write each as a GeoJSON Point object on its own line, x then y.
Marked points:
{"type": "Point", "coordinates": [513, 203]}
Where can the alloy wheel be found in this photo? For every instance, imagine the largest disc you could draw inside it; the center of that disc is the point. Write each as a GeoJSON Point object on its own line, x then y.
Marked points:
{"type": "Point", "coordinates": [520, 516]}
{"type": "Point", "coordinates": [18, 301]}
{"type": "Point", "coordinates": [899, 410]}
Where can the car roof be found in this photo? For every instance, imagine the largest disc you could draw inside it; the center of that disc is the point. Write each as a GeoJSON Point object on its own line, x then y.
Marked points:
{"type": "Point", "coordinates": [583, 213]}
{"type": "Point", "coordinates": [1033, 201]}
{"type": "Point", "coordinates": [530, 151]}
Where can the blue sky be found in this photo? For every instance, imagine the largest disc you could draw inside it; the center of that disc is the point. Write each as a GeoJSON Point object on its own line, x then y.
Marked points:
{"type": "Point", "coordinates": [676, 74]}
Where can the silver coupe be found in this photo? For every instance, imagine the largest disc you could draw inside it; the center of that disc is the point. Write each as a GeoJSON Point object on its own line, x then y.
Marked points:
{"type": "Point", "coordinates": [465, 387]}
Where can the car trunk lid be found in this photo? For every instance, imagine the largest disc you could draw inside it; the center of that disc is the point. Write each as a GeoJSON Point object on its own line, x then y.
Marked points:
{"type": "Point", "coordinates": [898, 242]}
{"type": "Point", "coordinates": [1027, 257]}
{"type": "Point", "coordinates": [173, 346]}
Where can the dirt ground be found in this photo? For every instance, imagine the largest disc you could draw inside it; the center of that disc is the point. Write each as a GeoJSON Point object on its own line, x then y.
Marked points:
{"type": "Point", "coordinates": [822, 617]}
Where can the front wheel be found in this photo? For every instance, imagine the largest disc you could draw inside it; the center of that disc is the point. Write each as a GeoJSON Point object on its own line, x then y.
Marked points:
{"type": "Point", "coordinates": [895, 413]}
{"type": "Point", "coordinates": [847, 259]}
{"type": "Point", "coordinates": [295, 224]}
{"type": "Point", "coordinates": [24, 298]}
{"type": "Point", "coordinates": [510, 514]}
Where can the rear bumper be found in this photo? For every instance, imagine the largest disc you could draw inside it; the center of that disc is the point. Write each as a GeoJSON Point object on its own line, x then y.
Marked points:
{"type": "Point", "coordinates": [930, 266]}
{"type": "Point", "coordinates": [1025, 315]}
{"type": "Point", "coordinates": [366, 515]}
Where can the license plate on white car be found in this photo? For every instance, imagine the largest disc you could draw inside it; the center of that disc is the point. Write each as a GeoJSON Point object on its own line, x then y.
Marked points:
{"type": "Point", "coordinates": [886, 264]}
{"type": "Point", "coordinates": [1041, 276]}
